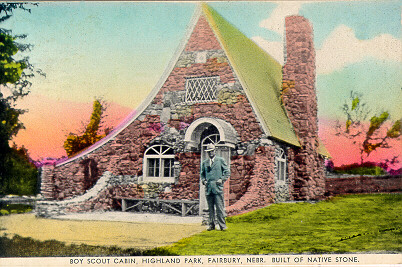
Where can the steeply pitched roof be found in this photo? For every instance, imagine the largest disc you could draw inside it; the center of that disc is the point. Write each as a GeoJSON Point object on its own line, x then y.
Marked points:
{"type": "Point", "coordinates": [259, 74]}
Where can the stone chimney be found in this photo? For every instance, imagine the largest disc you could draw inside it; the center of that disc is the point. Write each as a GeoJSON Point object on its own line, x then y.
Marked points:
{"type": "Point", "coordinates": [300, 100]}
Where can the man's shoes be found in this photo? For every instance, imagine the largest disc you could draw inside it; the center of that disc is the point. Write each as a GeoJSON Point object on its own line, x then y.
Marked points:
{"type": "Point", "coordinates": [210, 228]}
{"type": "Point", "coordinates": [224, 229]}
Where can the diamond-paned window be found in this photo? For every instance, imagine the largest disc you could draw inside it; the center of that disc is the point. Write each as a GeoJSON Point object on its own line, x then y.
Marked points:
{"type": "Point", "coordinates": [201, 89]}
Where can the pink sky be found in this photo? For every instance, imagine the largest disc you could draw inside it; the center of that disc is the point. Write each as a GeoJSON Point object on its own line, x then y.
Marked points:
{"type": "Point", "coordinates": [48, 127]}
{"type": "Point", "coordinates": [344, 152]}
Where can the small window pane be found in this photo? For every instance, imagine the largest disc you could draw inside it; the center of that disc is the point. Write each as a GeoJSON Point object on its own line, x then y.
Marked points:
{"type": "Point", "coordinates": [157, 161]}
{"type": "Point", "coordinates": [280, 158]}
{"type": "Point", "coordinates": [167, 150]}
{"type": "Point", "coordinates": [153, 167]}
{"type": "Point", "coordinates": [282, 171]}
{"type": "Point", "coordinates": [168, 168]}
{"type": "Point", "coordinates": [170, 151]}
{"type": "Point", "coordinates": [152, 151]}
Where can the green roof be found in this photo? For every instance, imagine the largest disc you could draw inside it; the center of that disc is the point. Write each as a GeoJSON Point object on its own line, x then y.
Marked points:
{"type": "Point", "coordinates": [259, 74]}
{"type": "Point", "coordinates": [323, 150]}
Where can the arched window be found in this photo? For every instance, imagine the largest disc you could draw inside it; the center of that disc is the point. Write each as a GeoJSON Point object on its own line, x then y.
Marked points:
{"type": "Point", "coordinates": [280, 164]}
{"type": "Point", "coordinates": [159, 164]}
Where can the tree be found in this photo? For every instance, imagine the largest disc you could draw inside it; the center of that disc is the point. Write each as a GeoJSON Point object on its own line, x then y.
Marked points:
{"type": "Point", "coordinates": [76, 143]}
{"type": "Point", "coordinates": [367, 135]}
{"type": "Point", "coordinates": [15, 76]}
{"type": "Point", "coordinates": [23, 173]}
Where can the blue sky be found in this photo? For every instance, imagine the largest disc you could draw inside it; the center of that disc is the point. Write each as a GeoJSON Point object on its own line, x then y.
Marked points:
{"type": "Point", "coordinates": [89, 49]}
{"type": "Point", "coordinates": [118, 50]}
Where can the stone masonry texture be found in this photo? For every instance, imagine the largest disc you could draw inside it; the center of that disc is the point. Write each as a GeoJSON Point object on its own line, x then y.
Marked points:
{"type": "Point", "coordinates": [363, 184]}
{"type": "Point", "coordinates": [300, 100]}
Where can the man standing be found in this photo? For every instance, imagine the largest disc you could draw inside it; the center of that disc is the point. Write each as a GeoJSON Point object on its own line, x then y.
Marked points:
{"type": "Point", "coordinates": [214, 172]}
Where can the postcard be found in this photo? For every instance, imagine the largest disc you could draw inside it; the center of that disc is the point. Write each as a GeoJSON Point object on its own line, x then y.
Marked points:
{"type": "Point", "coordinates": [200, 133]}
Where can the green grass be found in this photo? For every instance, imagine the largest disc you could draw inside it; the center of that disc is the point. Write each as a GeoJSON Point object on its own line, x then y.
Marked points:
{"type": "Point", "coordinates": [354, 223]}
{"type": "Point", "coordinates": [18, 246]}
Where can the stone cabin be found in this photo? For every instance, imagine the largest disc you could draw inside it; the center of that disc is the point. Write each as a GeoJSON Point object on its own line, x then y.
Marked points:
{"type": "Point", "coordinates": [221, 88]}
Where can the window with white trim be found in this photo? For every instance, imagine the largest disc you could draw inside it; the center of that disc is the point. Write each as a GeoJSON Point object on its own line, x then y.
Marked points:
{"type": "Point", "coordinates": [280, 164]}
{"type": "Point", "coordinates": [202, 89]}
{"type": "Point", "coordinates": [159, 164]}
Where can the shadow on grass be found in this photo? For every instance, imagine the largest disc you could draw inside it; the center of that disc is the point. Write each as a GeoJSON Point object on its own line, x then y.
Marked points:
{"type": "Point", "coordinates": [18, 246]}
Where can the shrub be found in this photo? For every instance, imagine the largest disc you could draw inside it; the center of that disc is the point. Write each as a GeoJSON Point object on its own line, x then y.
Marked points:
{"type": "Point", "coordinates": [4, 212]}
{"type": "Point", "coordinates": [15, 208]}
{"type": "Point", "coordinates": [367, 168]}
{"type": "Point", "coordinates": [21, 176]}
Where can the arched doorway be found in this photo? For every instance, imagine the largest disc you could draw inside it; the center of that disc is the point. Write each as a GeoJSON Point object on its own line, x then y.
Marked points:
{"type": "Point", "coordinates": [222, 150]}
{"type": "Point", "coordinates": [222, 134]}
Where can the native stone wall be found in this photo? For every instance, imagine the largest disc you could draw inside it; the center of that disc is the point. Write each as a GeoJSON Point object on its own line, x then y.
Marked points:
{"type": "Point", "coordinates": [231, 106]}
{"type": "Point", "coordinates": [242, 168]}
{"type": "Point", "coordinates": [261, 189]}
{"type": "Point", "coordinates": [357, 184]}
{"type": "Point", "coordinates": [100, 197]}
{"type": "Point", "coordinates": [300, 100]}
{"type": "Point", "coordinates": [47, 186]}
{"type": "Point", "coordinates": [202, 37]}
{"type": "Point", "coordinates": [189, 186]}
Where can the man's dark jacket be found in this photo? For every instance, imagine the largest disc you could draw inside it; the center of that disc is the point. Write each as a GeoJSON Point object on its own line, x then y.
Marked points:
{"type": "Point", "coordinates": [210, 175]}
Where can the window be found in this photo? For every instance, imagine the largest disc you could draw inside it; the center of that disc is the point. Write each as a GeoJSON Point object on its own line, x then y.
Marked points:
{"type": "Point", "coordinates": [280, 164]}
{"type": "Point", "coordinates": [201, 89]}
{"type": "Point", "coordinates": [159, 164]}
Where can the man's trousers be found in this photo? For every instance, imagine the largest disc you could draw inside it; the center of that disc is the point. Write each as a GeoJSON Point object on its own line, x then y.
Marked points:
{"type": "Point", "coordinates": [216, 205]}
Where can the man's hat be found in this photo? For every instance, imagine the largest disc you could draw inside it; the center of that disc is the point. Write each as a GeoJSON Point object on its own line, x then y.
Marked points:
{"type": "Point", "coordinates": [210, 147]}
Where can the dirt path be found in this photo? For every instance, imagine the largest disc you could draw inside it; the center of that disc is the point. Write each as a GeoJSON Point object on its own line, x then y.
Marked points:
{"type": "Point", "coordinates": [102, 233]}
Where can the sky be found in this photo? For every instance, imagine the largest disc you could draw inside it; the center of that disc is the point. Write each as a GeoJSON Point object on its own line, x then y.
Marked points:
{"type": "Point", "coordinates": [119, 50]}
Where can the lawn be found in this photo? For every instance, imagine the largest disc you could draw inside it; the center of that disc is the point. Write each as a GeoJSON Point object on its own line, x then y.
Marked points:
{"type": "Point", "coordinates": [354, 223]}
{"type": "Point", "coordinates": [18, 246]}
{"type": "Point", "coordinates": [34, 234]}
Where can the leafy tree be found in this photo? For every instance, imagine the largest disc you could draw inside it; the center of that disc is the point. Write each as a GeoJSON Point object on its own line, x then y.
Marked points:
{"type": "Point", "coordinates": [76, 143]}
{"type": "Point", "coordinates": [23, 176]}
{"type": "Point", "coordinates": [15, 76]}
{"type": "Point", "coordinates": [368, 135]}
